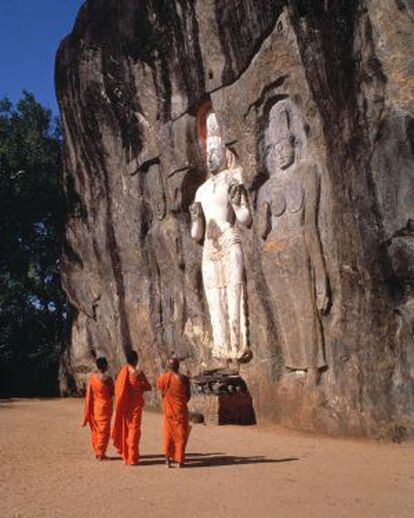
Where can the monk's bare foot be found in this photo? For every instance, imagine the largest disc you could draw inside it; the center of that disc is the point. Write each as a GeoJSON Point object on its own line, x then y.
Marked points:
{"type": "Point", "coordinates": [102, 457]}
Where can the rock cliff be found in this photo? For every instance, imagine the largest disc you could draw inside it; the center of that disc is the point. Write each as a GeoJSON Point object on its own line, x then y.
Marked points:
{"type": "Point", "coordinates": [131, 80]}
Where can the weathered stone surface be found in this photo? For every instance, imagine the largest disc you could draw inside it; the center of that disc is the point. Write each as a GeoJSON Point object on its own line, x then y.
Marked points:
{"type": "Point", "coordinates": [220, 409]}
{"type": "Point", "coordinates": [130, 80]}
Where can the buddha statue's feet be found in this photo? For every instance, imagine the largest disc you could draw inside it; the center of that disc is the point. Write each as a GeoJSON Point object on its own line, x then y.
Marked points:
{"type": "Point", "coordinates": [312, 377]}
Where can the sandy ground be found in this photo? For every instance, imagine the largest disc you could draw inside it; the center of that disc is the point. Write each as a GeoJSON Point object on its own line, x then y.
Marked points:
{"type": "Point", "coordinates": [47, 469]}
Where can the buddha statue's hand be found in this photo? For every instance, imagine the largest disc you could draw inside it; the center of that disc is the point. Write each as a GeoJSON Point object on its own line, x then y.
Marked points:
{"type": "Point", "coordinates": [236, 191]}
{"type": "Point", "coordinates": [195, 211]}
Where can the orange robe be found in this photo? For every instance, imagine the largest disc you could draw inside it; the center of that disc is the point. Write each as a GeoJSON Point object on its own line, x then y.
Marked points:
{"type": "Point", "coordinates": [98, 412]}
{"type": "Point", "coordinates": [129, 395]}
{"type": "Point", "coordinates": [175, 424]}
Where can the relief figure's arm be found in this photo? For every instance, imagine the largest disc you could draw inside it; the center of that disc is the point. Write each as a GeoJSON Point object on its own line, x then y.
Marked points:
{"type": "Point", "coordinates": [312, 237]}
{"type": "Point", "coordinates": [264, 220]}
{"type": "Point", "coordinates": [197, 221]}
{"type": "Point", "coordinates": [239, 200]}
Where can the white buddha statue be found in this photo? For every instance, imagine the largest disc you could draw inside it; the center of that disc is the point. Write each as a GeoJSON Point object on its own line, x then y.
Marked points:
{"type": "Point", "coordinates": [220, 202]}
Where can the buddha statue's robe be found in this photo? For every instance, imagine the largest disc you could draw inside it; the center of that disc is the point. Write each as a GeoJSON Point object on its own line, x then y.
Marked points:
{"type": "Point", "coordinates": [223, 266]}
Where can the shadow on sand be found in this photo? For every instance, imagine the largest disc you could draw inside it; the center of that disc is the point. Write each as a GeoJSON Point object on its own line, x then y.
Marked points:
{"type": "Point", "coordinates": [231, 460]}
{"type": "Point", "coordinates": [148, 460]}
{"type": "Point", "coordinates": [13, 402]}
{"type": "Point", "coordinates": [208, 460]}
{"type": "Point", "coordinates": [7, 403]}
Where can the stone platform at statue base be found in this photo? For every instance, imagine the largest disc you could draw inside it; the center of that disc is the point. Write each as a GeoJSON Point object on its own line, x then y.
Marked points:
{"type": "Point", "coordinates": [221, 398]}
{"type": "Point", "coordinates": [223, 409]}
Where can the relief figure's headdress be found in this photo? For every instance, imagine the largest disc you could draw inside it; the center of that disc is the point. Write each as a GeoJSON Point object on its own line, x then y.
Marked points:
{"type": "Point", "coordinates": [280, 122]}
{"type": "Point", "coordinates": [213, 129]}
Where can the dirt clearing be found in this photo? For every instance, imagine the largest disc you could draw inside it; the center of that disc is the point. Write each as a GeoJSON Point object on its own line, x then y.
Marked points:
{"type": "Point", "coordinates": [47, 469]}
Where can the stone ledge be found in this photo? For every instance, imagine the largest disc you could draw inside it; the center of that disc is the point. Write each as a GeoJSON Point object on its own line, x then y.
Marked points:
{"type": "Point", "coordinates": [221, 409]}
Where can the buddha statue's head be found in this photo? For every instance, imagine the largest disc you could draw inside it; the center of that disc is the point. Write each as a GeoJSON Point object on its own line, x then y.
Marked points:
{"type": "Point", "coordinates": [279, 141]}
{"type": "Point", "coordinates": [216, 150]}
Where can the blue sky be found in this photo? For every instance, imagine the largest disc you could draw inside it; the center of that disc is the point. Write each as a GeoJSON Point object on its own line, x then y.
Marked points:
{"type": "Point", "coordinates": [30, 33]}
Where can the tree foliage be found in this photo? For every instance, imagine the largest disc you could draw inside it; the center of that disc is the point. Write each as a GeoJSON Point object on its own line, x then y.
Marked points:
{"type": "Point", "coordinates": [32, 304]}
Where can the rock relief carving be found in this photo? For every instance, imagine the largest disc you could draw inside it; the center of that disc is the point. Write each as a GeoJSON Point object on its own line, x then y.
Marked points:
{"type": "Point", "coordinates": [293, 261]}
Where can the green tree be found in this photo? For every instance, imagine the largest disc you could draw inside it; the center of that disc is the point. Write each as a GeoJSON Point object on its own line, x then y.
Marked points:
{"type": "Point", "coordinates": [32, 304]}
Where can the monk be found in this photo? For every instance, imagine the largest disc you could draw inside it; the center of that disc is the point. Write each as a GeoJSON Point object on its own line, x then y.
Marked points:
{"type": "Point", "coordinates": [130, 386]}
{"type": "Point", "coordinates": [98, 408]}
{"type": "Point", "coordinates": [175, 389]}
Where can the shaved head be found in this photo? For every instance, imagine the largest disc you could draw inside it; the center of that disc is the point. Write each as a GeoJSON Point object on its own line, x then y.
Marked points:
{"type": "Point", "coordinates": [173, 363]}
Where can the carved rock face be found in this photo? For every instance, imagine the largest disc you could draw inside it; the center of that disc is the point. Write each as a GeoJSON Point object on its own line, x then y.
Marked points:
{"type": "Point", "coordinates": [279, 139]}
{"type": "Point", "coordinates": [281, 155]}
{"type": "Point", "coordinates": [338, 78]}
{"type": "Point", "coordinates": [293, 260]}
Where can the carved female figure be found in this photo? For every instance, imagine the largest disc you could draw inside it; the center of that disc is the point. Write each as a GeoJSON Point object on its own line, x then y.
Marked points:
{"type": "Point", "coordinates": [293, 262]}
